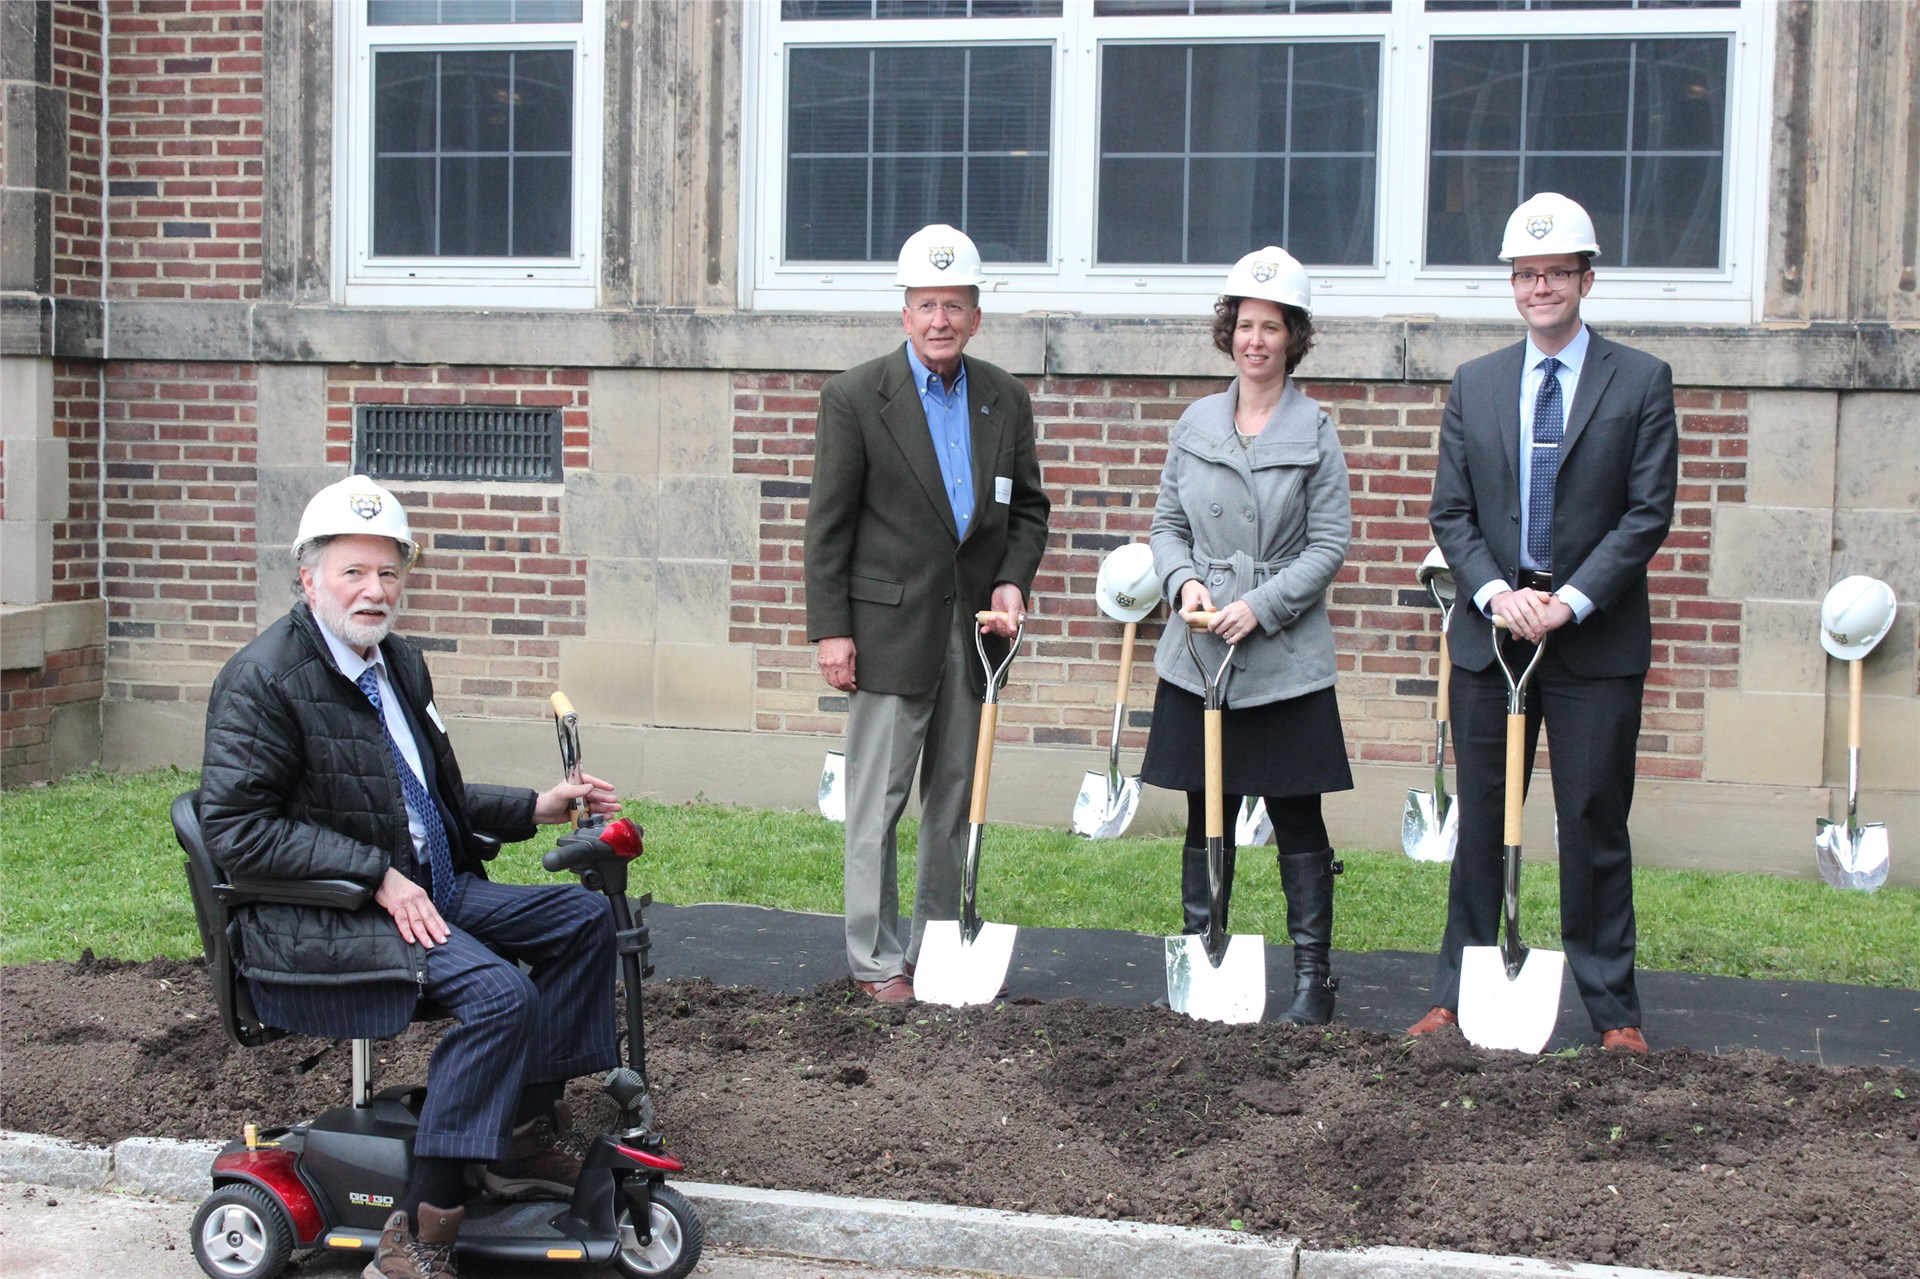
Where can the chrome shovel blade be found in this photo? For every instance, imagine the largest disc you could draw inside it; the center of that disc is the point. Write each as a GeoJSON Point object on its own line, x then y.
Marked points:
{"type": "Point", "coordinates": [1859, 858]}
{"type": "Point", "coordinates": [1516, 1014]}
{"type": "Point", "coordinates": [833, 783]}
{"type": "Point", "coordinates": [1425, 837]}
{"type": "Point", "coordinates": [1100, 815]}
{"type": "Point", "coordinates": [1235, 992]}
{"type": "Point", "coordinates": [957, 973]}
{"type": "Point", "coordinates": [1252, 827]}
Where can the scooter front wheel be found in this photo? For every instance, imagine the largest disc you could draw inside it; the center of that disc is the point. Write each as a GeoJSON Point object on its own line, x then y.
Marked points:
{"type": "Point", "coordinates": [241, 1232]}
{"type": "Point", "coordinates": [677, 1239]}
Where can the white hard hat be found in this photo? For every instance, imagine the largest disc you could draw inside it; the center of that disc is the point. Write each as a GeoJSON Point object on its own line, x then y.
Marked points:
{"type": "Point", "coordinates": [1436, 576]}
{"type": "Point", "coordinates": [1548, 223]}
{"type": "Point", "coordinates": [355, 505]}
{"type": "Point", "coordinates": [1271, 273]}
{"type": "Point", "coordinates": [1128, 588]}
{"type": "Point", "coordinates": [1856, 615]}
{"type": "Point", "coordinates": [936, 255]}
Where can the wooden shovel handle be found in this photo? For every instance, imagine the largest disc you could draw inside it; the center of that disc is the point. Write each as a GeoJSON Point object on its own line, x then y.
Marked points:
{"type": "Point", "coordinates": [989, 615]}
{"type": "Point", "coordinates": [1855, 684]}
{"type": "Point", "coordinates": [1444, 704]}
{"type": "Point", "coordinates": [562, 705]}
{"type": "Point", "coordinates": [1516, 776]}
{"type": "Point", "coordinates": [1216, 773]}
{"type": "Point", "coordinates": [1200, 620]}
{"type": "Point", "coordinates": [983, 763]}
{"type": "Point", "coordinates": [1126, 665]}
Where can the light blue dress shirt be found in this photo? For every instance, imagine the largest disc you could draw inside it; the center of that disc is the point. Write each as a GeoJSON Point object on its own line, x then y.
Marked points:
{"type": "Point", "coordinates": [952, 429]}
{"type": "Point", "coordinates": [1573, 358]}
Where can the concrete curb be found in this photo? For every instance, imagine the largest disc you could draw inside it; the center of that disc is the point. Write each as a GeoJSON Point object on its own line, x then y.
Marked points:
{"type": "Point", "coordinates": [882, 1232]}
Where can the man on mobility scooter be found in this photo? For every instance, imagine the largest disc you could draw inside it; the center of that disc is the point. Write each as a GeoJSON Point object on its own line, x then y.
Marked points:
{"type": "Point", "coordinates": [326, 759]}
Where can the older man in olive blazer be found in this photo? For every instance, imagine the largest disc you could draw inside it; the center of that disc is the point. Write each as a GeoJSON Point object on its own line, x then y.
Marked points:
{"type": "Point", "coordinates": [926, 508]}
{"type": "Point", "coordinates": [1563, 557]}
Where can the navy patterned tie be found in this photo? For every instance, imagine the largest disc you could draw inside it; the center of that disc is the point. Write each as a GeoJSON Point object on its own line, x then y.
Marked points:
{"type": "Point", "coordinates": [1549, 426]}
{"type": "Point", "coordinates": [439, 853]}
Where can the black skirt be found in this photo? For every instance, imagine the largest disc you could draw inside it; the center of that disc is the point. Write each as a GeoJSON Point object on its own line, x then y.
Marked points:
{"type": "Point", "coordinates": [1291, 747]}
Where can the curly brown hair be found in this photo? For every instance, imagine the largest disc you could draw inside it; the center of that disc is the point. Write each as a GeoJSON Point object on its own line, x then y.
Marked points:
{"type": "Point", "coordinates": [1226, 314]}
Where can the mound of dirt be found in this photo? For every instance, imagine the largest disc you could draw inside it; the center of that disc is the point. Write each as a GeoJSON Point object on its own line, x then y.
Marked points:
{"type": "Point", "coordinates": [1738, 1165]}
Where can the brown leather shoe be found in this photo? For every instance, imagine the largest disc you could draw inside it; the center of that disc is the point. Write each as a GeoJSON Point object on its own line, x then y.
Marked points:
{"type": "Point", "coordinates": [1437, 1018]}
{"type": "Point", "coordinates": [888, 990]}
{"type": "Point", "coordinates": [540, 1163]}
{"type": "Point", "coordinates": [1627, 1039]}
{"type": "Point", "coordinates": [428, 1255]}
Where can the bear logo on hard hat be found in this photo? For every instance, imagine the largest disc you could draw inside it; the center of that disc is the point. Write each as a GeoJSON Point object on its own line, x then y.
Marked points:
{"type": "Point", "coordinates": [1539, 225]}
{"type": "Point", "coordinates": [941, 255]}
{"type": "Point", "coordinates": [1264, 271]}
{"type": "Point", "coordinates": [365, 505]}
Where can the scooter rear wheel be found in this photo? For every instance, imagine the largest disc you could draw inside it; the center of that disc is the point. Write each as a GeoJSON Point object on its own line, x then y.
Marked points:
{"type": "Point", "coordinates": [241, 1232]}
{"type": "Point", "coordinates": [678, 1238]}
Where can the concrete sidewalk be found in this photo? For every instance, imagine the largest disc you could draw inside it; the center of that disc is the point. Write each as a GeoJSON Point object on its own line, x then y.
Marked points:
{"type": "Point", "coordinates": [70, 1211]}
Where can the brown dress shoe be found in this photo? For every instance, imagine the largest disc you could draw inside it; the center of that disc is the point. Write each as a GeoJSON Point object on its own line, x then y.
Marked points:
{"type": "Point", "coordinates": [1437, 1018]}
{"type": "Point", "coordinates": [889, 990]}
{"type": "Point", "coordinates": [427, 1255]}
{"type": "Point", "coordinates": [1627, 1039]}
{"type": "Point", "coordinates": [540, 1162]}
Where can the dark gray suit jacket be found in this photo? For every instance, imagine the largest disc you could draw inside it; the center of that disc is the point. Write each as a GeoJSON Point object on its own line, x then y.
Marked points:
{"type": "Point", "coordinates": [885, 562]}
{"type": "Point", "coordinates": [1612, 506]}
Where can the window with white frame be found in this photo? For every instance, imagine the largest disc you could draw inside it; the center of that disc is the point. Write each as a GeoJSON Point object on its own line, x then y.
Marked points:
{"type": "Point", "coordinates": [1115, 156]}
{"type": "Point", "coordinates": [471, 165]}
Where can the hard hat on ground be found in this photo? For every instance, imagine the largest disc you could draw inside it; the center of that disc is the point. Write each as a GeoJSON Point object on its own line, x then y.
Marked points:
{"type": "Point", "coordinates": [1271, 273]}
{"type": "Point", "coordinates": [938, 255]}
{"type": "Point", "coordinates": [1436, 576]}
{"type": "Point", "coordinates": [1128, 588]}
{"type": "Point", "coordinates": [1857, 614]}
{"type": "Point", "coordinates": [1548, 223]}
{"type": "Point", "coordinates": [355, 505]}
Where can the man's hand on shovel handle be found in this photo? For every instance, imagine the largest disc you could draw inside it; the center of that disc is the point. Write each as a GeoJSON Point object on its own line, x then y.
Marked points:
{"type": "Point", "coordinates": [836, 661]}
{"type": "Point", "coordinates": [1009, 612]}
{"type": "Point", "coordinates": [1530, 614]}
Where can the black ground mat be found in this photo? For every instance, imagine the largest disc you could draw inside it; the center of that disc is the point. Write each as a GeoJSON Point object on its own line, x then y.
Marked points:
{"type": "Point", "coordinates": [787, 951]}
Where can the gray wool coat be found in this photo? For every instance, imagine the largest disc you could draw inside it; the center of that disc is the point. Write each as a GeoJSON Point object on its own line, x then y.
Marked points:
{"type": "Point", "coordinates": [1268, 524]}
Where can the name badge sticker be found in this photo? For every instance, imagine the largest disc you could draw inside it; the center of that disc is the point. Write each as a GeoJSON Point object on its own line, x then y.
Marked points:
{"type": "Point", "coordinates": [433, 713]}
{"type": "Point", "coordinates": [1003, 489]}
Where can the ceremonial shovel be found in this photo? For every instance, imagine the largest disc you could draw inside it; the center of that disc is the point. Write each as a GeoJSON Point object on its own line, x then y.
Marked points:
{"type": "Point", "coordinates": [1430, 826]}
{"type": "Point", "coordinates": [1107, 801]}
{"type": "Point", "coordinates": [1853, 854]}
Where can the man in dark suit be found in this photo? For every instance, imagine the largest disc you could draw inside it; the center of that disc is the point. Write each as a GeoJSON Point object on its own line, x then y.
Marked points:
{"type": "Point", "coordinates": [926, 508]}
{"type": "Point", "coordinates": [1555, 488]}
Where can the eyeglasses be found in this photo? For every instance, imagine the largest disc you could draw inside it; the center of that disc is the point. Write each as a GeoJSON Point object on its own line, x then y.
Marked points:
{"type": "Point", "coordinates": [954, 311]}
{"type": "Point", "coordinates": [1556, 277]}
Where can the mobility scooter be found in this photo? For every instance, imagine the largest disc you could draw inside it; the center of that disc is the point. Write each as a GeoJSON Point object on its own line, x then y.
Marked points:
{"type": "Point", "coordinates": [331, 1182]}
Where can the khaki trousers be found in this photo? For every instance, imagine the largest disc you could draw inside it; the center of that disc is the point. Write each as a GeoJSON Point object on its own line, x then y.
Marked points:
{"type": "Point", "coordinates": [889, 736]}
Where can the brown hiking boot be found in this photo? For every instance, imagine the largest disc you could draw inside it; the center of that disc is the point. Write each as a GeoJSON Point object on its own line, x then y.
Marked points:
{"type": "Point", "coordinates": [428, 1255]}
{"type": "Point", "coordinates": [540, 1160]}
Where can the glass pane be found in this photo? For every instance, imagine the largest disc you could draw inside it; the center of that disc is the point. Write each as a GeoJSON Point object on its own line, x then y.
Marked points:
{"type": "Point", "coordinates": [1597, 183]}
{"type": "Point", "coordinates": [828, 10]}
{"type": "Point", "coordinates": [403, 102]}
{"type": "Point", "coordinates": [827, 101]}
{"type": "Point", "coordinates": [809, 10]}
{"type": "Point", "coordinates": [1234, 206]}
{"type": "Point", "coordinates": [911, 191]}
{"type": "Point", "coordinates": [1680, 99]}
{"type": "Point", "coordinates": [543, 101]}
{"type": "Point", "coordinates": [475, 100]}
{"type": "Point", "coordinates": [433, 13]}
{"type": "Point", "coordinates": [1329, 211]}
{"type": "Point", "coordinates": [1010, 100]}
{"type": "Point", "coordinates": [1476, 94]}
{"type": "Point", "coordinates": [1336, 98]}
{"type": "Point", "coordinates": [1239, 98]}
{"type": "Point", "coordinates": [827, 210]}
{"type": "Point", "coordinates": [1674, 215]}
{"type": "Point", "coordinates": [542, 207]}
{"type": "Point", "coordinates": [1142, 89]}
{"type": "Point", "coordinates": [1007, 207]}
{"type": "Point", "coordinates": [1577, 95]}
{"type": "Point", "coordinates": [473, 206]}
{"type": "Point", "coordinates": [1140, 210]}
{"type": "Point", "coordinates": [1468, 200]}
{"type": "Point", "coordinates": [403, 203]}
{"type": "Point", "coordinates": [920, 99]}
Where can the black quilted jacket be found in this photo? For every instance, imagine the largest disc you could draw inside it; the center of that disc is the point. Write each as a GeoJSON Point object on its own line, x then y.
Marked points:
{"type": "Point", "coordinates": [298, 783]}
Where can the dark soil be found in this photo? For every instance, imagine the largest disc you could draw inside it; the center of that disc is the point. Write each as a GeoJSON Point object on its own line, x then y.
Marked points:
{"type": "Point", "coordinates": [1739, 1165]}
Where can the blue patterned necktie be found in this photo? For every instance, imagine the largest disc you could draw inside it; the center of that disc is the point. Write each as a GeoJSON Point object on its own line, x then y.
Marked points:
{"type": "Point", "coordinates": [1549, 426]}
{"type": "Point", "coordinates": [439, 853]}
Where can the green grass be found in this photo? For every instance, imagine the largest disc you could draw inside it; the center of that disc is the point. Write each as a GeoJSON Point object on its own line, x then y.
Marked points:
{"type": "Point", "coordinates": [91, 863]}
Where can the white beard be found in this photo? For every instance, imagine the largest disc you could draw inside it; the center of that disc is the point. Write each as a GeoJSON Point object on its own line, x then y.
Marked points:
{"type": "Point", "coordinates": [358, 635]}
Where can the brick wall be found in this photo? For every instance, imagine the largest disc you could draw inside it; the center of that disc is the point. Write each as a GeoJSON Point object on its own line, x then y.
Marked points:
{"type": "Point", "coordinates": [76, 540]}
{"type": "Point", "coordinates": [28, 699]}
{"type": "Point", "coordinates": [1102, 443]}
{"type": "Point", "coordinates": [76, 210]}
{"type": "Point", "coordinates": [185, 135]}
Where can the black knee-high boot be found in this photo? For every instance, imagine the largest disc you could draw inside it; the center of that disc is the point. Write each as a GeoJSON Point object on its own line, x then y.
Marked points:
{"type": "Point", "coordinates": [1193, 887]}
{"type": "Point", "coordinates": [1307, 879]}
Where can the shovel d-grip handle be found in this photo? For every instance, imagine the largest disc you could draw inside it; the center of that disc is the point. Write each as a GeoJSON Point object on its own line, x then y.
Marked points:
{"type": "Point", "coordinates": [990, 711]}
{"type": "Point", "coordinates": [566, 724]}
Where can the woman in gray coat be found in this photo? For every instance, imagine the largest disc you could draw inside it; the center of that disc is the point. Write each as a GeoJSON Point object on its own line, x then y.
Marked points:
{"type": "Point", "coordinates": [1252, 524]}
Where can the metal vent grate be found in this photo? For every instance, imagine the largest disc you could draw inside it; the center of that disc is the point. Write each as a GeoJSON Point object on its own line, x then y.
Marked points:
{"type": "Point", "coordinates": [462, 442]}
